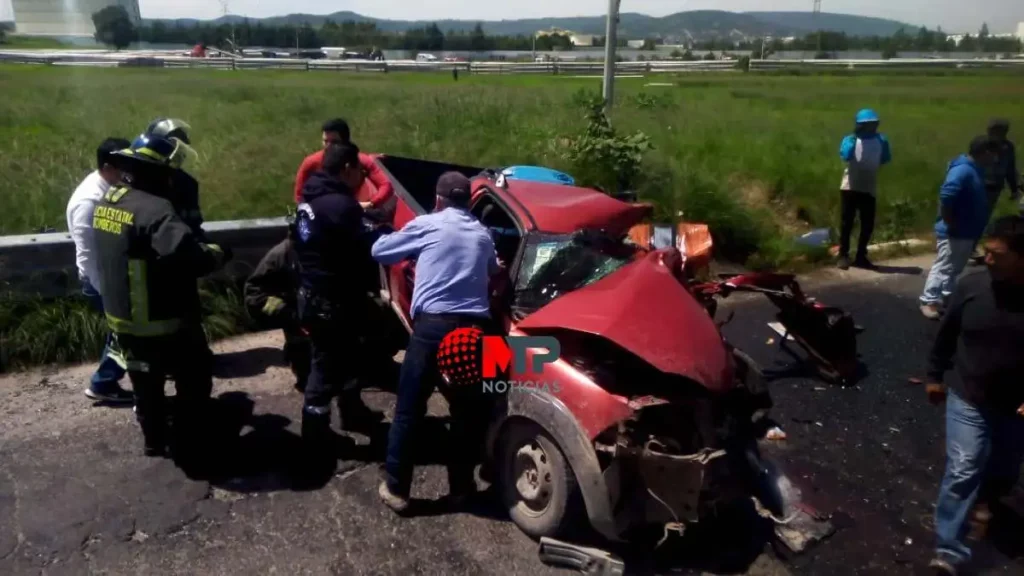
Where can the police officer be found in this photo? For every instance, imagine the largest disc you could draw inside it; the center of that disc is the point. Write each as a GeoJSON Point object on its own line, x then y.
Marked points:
{"type": "Point", "coordinates": [332, 248]}
{"type": "Point", "coordinates": [455, 258]}
{"type": "Point", "coordinates": [150, 262]}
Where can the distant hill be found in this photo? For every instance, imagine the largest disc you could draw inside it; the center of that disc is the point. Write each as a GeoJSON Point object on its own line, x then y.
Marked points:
{"type": "Point", "coordinates": [851, 25]}
{"type": "Point", "coordinates": [696, 25]}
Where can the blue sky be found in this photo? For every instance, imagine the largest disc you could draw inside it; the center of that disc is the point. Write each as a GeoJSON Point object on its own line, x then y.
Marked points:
{"type": "Point", "coordinates": [952, 15]}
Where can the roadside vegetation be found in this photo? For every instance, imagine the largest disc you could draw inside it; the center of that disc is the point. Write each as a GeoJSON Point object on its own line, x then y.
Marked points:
{"type": "Point", "coordinates": [754, 156]}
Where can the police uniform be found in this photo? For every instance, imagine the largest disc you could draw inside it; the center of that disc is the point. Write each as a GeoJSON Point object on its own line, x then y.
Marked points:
{"type": "Point", "coordinates": [150, 262]}
{"type": "Point", "coordinates": [332, 248]}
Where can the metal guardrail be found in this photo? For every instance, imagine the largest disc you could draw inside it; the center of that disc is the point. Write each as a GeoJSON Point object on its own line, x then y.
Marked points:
{"type": "Point", "coordinates": [175, 60]}
{"type": "Point", "coordinates": [44, 264]}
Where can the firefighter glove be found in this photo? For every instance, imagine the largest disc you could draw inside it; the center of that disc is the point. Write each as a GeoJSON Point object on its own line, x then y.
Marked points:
{"type": "Point", "coordinates": [273, 306]}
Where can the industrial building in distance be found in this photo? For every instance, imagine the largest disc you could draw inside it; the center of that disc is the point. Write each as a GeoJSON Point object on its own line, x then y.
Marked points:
{"type": "Point", "coordinates": [63, 18]}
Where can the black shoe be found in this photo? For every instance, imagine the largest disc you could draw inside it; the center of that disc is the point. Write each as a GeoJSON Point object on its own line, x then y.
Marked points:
{"type": "Point", "coordinates": [110, 394]}
{"type": "Point", "coordinates": [843, 263]}
{"type": "Point", "coordinates": [357, 416]}
{"type": "Point", "coordinates": [316, 425]}
{"type": "Point", "coordinates": [863, 262]}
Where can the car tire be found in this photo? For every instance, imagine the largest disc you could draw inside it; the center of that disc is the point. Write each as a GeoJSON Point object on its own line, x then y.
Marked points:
{"type": "Point", "coordinates": [536, 484]}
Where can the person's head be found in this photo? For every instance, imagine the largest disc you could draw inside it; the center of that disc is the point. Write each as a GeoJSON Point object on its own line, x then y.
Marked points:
{"type": "Point", "coordinates": [452, 191]}
{"type": "Point", "coordinates": [867, 121]}
{"type": "Point", "coordinates": [105, 164]}
{"type": "Point", "coordinates": [335, 131]}
{"type": "Point", "coordinates": [1004, 249]}
{"type": "Point", "coordinates": [998, 129]}
{"type": "Point", "coordinates": [342, 162]}
{"type": "Point", "coordinates": [983, 150]}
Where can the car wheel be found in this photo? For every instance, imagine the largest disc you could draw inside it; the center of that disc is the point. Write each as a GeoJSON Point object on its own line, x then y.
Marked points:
{"type": "Point", "coordinates": [537, 485]}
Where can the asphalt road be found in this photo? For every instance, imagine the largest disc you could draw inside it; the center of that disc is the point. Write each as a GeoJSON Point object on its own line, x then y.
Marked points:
{"type": "Point", "coordinates": [77, 497]}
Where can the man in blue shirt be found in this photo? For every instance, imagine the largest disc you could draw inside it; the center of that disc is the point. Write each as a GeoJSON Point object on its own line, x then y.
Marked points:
{"type": "Point", "coordinates": [864, 152]}
{"type": "Point", "coordinates": [455, 259]}
{"type": "Point", "coordinates": [963, 215]}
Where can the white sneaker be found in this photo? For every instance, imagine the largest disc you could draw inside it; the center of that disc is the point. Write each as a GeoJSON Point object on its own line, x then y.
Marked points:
{"type": "Point", "coordinates": [941, 566]}
{"type": "Point", "coordinates": [931, 311]}
{"type": "Point", "coordinates": [391, 500]}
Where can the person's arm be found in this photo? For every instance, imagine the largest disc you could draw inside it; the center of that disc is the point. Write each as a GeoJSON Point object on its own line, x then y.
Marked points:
{"type": "Point", "coordinates": [172, 238]}
{"type": "Point", "coordinates": [262, 286]}
{"type": "Point", "coordinates": [307, 167]}
{"type": "Point", "coordinates": [401, 245]}
{"type": "Point", "coordinates": [947, 196]}
{"type": "Point", "coordinates": [848, 147]}
{"type": "Point", "coordinates": [1012, 175]}
{"type": "Point", "coordinates": [886, 150]}
{"type": "Point", "coordinates": [380, 181]}
{"type": "Point", "coordinates": [82, 233]}
{"type": "Point", "coordinates": [940, 358]}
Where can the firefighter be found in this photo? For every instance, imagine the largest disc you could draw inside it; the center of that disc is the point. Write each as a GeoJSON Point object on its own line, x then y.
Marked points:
{"type": "Point", "coordinates": [150, 263]}
{"type": "Point", "coordinates": [270, 296]}
{"type": "Point", "coordinates": [333, 304]}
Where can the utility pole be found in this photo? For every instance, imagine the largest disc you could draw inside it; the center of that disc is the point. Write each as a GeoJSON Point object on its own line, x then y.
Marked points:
{"type": "Point", "coordinates": [610, 43]}
{"type": "Point", "coordinates": [817, 21]}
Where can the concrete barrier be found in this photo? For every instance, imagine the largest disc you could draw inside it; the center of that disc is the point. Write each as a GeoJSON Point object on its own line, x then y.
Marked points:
{"type": "Point", "coordinates": [44, 264]}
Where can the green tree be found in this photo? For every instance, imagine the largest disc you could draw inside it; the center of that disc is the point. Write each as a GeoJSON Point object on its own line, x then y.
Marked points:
{"type": "Point", "coordinates": [649, 44]}
{"type": "Point", "coordinates": [114, 27]}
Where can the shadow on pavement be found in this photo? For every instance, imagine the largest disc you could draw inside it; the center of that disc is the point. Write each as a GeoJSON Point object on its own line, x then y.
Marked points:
{"type": "Point", "coordinates": [247, 363]}
{"type": "Point", "coordinates": [904, 270]}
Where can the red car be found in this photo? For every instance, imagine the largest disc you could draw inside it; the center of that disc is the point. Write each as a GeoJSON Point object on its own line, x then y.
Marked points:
{"type": "Point", "coordinates": [648, 415]}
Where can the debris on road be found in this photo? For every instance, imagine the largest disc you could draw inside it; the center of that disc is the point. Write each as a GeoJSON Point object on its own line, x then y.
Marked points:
{"type": "Point", "coordinates": [586, 560]}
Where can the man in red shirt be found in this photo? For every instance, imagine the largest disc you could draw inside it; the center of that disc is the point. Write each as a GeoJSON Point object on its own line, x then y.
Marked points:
{"type": "Point", "coordinates": [370, 197]}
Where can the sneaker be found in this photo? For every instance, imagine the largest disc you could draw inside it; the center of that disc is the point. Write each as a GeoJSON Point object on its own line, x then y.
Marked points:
{"type": "Point", "coordinates": [397, 503]}
{"type": "Point", "coordinates": [843, 263]}
{"type": "Point", "coordinates": [112, 394]}
{"type": "Point", "coordinates": [943, 567]}
{"type": "Point", "coordinates": [931, 311]}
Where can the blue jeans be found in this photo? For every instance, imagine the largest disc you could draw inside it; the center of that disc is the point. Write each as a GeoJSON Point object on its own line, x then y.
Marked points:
{"type": "Point", "coordinates": [953, 256]}
{"type": "Point", "coordinates": [418, 379]}
{"type": "Point", "coordinates": [109, 373]}
{"type": "Point", "coordinates": [982, 449]}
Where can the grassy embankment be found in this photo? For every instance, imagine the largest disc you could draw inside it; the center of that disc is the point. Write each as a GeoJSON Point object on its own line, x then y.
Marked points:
{"type": "Point", "coordinates": [754, 156]}
{"type": "Point", "coordinates": [11, 42]}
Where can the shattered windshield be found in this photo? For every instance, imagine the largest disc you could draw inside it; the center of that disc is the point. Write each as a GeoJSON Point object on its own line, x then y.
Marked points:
{"type": "Point", "coordinates": [554, 265]}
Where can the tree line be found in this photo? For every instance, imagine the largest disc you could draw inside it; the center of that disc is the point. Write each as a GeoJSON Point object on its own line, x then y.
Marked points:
{"type": "Point", "coordinates": [902, 41]}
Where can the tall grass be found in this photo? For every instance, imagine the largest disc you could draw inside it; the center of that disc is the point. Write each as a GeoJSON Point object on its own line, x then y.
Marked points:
{"type": "Point", "coordinates": [753, 155]}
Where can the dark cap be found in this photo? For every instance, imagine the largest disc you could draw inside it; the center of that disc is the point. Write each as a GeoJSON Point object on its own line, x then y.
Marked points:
{"type": "Point", "coordinates": [981, 145]}
{"type": "Point", "coordinates": [999, 124]}
{"type": "Point", "coordinates": [453, 186]}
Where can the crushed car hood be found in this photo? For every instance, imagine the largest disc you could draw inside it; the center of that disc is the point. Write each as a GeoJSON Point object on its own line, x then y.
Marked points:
{"type": "Point", "coordinates": [644, 309]}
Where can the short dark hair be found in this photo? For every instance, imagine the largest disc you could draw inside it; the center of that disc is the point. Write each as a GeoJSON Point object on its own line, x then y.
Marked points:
{"type": "Point", "coordinates": [340, 126]}
{"type": "Point", "coordinates": [108, 147]}
{"type": "Point", "coordinates": [981, 145]}
{"type": "Point", "coordinates": [1009, 229]}
{"type": "Point", "coordinates": [999, 124]}
{"type": "Point", "coordinates": [338, 156]}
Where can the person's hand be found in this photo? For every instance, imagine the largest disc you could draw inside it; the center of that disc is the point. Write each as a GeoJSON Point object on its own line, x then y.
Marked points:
{"type": "Point", "coordinates": [936, 393]}
{"type": "Point", "coordinates": [273, 306]}
{"type": "Point", "coordinates": [1020, 411]}
{"type": "Point", "coordinates": [366, 205]}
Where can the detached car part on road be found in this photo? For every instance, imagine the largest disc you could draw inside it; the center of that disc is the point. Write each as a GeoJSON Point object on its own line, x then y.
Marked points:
{"type": "Point", "coordinates": [648, 415]}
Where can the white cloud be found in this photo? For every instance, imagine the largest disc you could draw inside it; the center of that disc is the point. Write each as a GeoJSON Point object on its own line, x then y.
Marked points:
{"type": "Point", "coordinates": [1001, 15]}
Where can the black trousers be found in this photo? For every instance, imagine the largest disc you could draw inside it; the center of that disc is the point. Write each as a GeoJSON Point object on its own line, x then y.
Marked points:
{"type": "Point", "coordinates": [336, 352]}
{"type": "Point", "coordinates": [185, 356]}
{"type": "Point", "coordinates": [468, 405]}
{"type": "Point", "coordinates": [852, 204]}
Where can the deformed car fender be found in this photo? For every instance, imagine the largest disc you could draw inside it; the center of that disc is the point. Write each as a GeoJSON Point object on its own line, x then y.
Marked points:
{"type": "Point", "coordinates": [557, 420]}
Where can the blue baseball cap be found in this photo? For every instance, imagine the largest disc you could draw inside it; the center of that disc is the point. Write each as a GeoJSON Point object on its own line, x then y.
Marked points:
{"type": "Point", "coordinates": [867, 115]}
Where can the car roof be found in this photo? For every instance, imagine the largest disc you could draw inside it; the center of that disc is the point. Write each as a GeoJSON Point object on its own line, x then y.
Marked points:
{"type": "Point", "coordinates": [561, 209]}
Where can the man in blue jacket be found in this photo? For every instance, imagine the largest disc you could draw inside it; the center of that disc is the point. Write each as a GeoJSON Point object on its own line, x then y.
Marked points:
{"type": "Point", "coordinates": [864, 151]}
{"type": "Point", "coordinates": [963, 216]}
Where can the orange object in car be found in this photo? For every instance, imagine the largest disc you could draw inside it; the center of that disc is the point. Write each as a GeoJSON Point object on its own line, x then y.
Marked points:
{"type": "Point", "coordinates": [641, 235]}
{"type": "Point", "coordinates": [694, 241]}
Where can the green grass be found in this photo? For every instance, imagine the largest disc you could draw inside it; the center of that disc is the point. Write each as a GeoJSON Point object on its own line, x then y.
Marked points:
{"type": "Point", "coordinates": [753, 155]}
{"type": "Point", "coordinates": [30, 43]}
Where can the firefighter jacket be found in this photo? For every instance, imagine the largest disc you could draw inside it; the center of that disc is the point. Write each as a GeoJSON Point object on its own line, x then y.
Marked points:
{"type": "Point", "coordinates": [150, 261]}
{"type": "Point", "coordinates": [277, 275]}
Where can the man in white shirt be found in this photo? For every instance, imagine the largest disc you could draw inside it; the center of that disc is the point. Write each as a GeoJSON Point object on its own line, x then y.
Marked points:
{"type": "Point", "coordinates": [105, 383]}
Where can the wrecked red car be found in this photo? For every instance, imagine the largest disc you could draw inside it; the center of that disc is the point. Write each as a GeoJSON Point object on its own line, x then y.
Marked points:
{"type": "Point", "coordinates": [652, 417]}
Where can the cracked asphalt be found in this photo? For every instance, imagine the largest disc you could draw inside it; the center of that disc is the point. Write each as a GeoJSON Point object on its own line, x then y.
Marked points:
{"type": "Point", "coordinates": [77, 496]}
